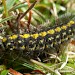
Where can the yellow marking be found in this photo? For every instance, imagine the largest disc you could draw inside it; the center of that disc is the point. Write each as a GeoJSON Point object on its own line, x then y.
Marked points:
{"type": "Point", "coordinates": [58, 29]}
{"type": "Point", "coordinates": [51, 31]}
{"type": "Point", "coordinates": [64, 27]}
{"type": "Point", "coordinates": [23, 47]}
{"type": "Point", "coordinates": [35, 36]}
{"type": "Point", "coordinates": [70, 23]}
{"type": "Point", "coordinates": [43, 34]}
{"type": "Point", "coordinates": [26, 35]}
{"type": "Point", "coordinates": [4, 39]}
{"type": "Point", "coordinates": [14, 36]}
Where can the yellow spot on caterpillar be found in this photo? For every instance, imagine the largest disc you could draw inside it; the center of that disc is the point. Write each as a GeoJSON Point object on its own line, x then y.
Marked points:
{"type": "Point", "coordinates": [26, 35]}
{"type": "Point", "coordinates": [14, 36]}
{"type": "Point", "coordinates": [51, 31]}
{"type": "Point", "coordinates": [71, 22]}
{"type": "Point", "coordinates": [58, 29]}
{"type": "Point", "coordinates": [23, 47]}
{"type": "Point", "coordinates": [68, 24]}
{"type": "Point", "coordinates": [42, 34]}
{"type": "Point", "coordinates": [64, 27]}
{"type": "Point", "coordinates": [4, 39]}
{"type": "Point", "coordinates": [35, 35]}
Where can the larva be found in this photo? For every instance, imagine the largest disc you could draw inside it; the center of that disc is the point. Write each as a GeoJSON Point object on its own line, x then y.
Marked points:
{"type": "Point", "coordinates": [33, 44]}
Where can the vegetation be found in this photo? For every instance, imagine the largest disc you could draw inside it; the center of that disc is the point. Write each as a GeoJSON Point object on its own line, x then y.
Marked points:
{"type": "Point", "coordinates": [20, 16]}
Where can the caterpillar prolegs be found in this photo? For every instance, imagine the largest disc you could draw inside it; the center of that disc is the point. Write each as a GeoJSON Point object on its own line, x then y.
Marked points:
{"type": "Point", "coordinates": [33, 44]}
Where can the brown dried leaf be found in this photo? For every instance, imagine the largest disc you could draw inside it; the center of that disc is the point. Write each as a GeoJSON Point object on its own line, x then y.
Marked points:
{"type": "Point", "coordinates": [14, 72]}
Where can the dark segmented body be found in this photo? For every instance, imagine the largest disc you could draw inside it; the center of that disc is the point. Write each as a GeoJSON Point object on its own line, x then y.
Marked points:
{"type": "Point", "coordinates": [39, 41]}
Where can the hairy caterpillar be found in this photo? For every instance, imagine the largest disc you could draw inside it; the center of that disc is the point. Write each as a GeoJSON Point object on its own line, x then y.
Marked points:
{"type": "Point", "coordinates": [32, 44]}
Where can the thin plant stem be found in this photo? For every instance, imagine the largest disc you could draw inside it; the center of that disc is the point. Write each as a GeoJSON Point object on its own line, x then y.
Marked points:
{"type": "Point", "coordinates": [40, 64]}
{"type": "Point", "coordinates": [5, 8]}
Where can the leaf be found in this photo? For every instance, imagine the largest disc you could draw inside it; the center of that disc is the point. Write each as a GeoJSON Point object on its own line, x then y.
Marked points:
{"type": "Point", "coordinates": [18, 6]}
{"type": "Point", "coordinates": [14, 72]}
{"type": "Point", "coordinates": [6, 19]}
{"type": "Point", "coordinates": [10, 3]}
{"type": "Point", "coordinates": [28, 66]}
{"type": "Point", "coordinates": [4, 72]}
{"type": "Point", "coordinates": [2, 67]}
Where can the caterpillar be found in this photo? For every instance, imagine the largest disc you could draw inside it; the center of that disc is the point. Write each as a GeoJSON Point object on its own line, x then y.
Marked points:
{"type": "Point", "coordinates": [32, 44]}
